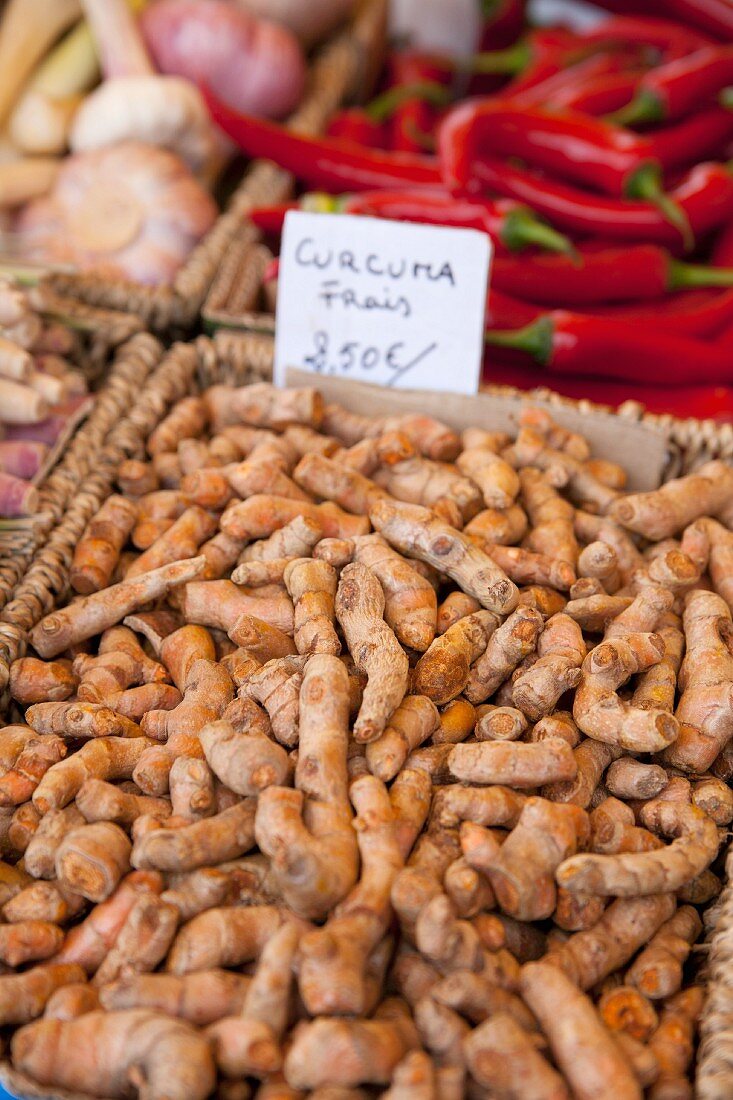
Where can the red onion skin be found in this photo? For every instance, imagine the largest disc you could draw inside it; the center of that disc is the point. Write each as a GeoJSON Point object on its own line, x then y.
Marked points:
{"type": "Point", "coordinates": [255, 66]}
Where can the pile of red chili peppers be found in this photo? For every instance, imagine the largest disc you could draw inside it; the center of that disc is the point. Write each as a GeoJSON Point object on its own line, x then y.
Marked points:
{"type": "Point", "coordinates": [601, 165]}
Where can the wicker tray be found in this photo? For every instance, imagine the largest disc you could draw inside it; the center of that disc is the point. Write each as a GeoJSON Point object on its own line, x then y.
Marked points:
{"type": "Point", "coordinates": [71, 462]}
{"type": "Point", "coordinates": [238, 359]}
{"type": "Point", "coordinates": [344, 64]}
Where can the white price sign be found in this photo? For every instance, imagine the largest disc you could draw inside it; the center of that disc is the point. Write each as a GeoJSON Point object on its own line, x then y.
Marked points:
{"type": "Point", "coordinates": [391, 303]}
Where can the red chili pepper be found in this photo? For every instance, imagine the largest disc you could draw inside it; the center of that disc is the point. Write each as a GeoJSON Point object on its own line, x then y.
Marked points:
{"type": "Point", "coordinates": [711, 17]}
{"type": "Point", "coordinates": [414, 118]}
{"type": "Point", "coordinates": [323, 163]}
{"type": "Point", "coordinates": [599, 95]}
{"type": "Point", "coordinates": [270, 219]}
{"type": "Point", "coordinates": [503, 311]}
{"type": "Point", "coordinates": [573, 343]}
{"type": "Point", "coordinates": [509, 224]}
{"type": "Point", "coordinates": [722, 253]}
{"type": "Point", "coordinates": [697, 314]}
{"type": "Point", "coordinates": [705, 195]}
{"type": "Point", "coordinates": [677, 89]}
{"type": "Point", "coordinates": [582, 149]}
{"type": "Point", "coordinates": [539, 55]}
{"type": "Point", "coordinates": [642, 271]}
{"type": "Point", "coordinates": [701, 402]}
{"type": "Point", "coordinates": [696, 138]}
{"type": "Point", "coordinates": [668, 37]}
{"type": "Point", "coordinates": [503, 22]}
{"type": "Point", "coordinates": [355, 126]}
{"type": "Point", "coordinates": [550, 92]}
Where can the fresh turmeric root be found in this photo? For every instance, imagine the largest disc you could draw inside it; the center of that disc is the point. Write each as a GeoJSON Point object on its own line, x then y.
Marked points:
{"type": "Point", "coordinates": [307, 832]}
{"type": "Point", "coordinates": [585, 1052]}
{"type": "Point", "coordinates": [376, 651]}
{"type": "Point", "coordinates": [169, 1056]}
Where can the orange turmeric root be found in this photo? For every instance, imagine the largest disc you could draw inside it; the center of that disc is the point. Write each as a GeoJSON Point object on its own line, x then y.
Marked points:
{"type": "Point", "coordinates": [34, 681]}
{"type": "Point", "coordinates": [98, 551]}
{"type": "Point", "coordinates": [657, 971]}
{"type": "Point", "coordinates": [584, 1050]}
{"type": "Point", "coordinates": [172, 1059]}
{"type": "Point", "coordinates": [307, 832]}
{"type": "Point", "coordinates": [374, 647]}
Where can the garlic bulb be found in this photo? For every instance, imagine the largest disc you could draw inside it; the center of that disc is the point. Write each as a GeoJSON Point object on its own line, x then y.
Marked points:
{"type": "Point", "coordinates": [130, 210]}
{"type": "Point", "coordinates": [161, 110]}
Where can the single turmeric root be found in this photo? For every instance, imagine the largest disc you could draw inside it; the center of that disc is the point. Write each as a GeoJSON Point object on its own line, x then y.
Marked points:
{"type": "Point", "coordinates": [603, 715]}
{"type": "Point", "coordinates": [410, 606]}
{"type": "Point", "coordinates": [200, 844]}
{"type": "Point", "coordinates": [307, 832]}
{"type": "Point", "coordinates": [264, 406]}
{"type": "Point", "coordinates": [374, 647]}
{"type": "Point", "coordinates": [513, 763]}
{"type": "Point", "coordinates": [93, 614]}
{"type": "Point", "coordinates": [705, 709]}
{"type": "Point", "coordinates": [207, 693]}
{"type": "Point", "coordinates": [101, 758]}
{"type": "Point", "coordinates": [589, 956]}
{"type": "Point", "coordinates": [415, 531]}
{"type": "Point", "coordinates": [80, 720]}
{"type": "Point", "coordinates": [503, 1058]}
{"type": "Point", "coordinates": [625, 1009]}
{"type": "Point", "coordinates": [522, 872]}
{"type": "Point", "coordinates": [414, 721]}
{"type": "Point", "coordinates": [585, 1051]}
{"type": "Point", "coordinates": [561, 651]}
{"type": "Point", "coordinates": [169, 1056]}
{"type": "Point", "coordinates": [143, 940]}
{"type": "Point", "coordinates": [34, 681]}
{"type": "Point", "coordinates": [442, 673]}
{"type": "Point", "coordinates": [514, 640]}
{"type": "Point", "coordinates": [92, 859]}
{"type": "Point", "coordinates": [246, 763]}
{"type": "Point", "coordinates": [346, 1053]}
{"type": "Point", "coordinates": [312, 588]}
{"type": "Point", "coordinates": [23, 997]}
{"type": "Point", "coordinates": [664, 512]}
{"type": "Point", "coordinates": [664, 869]}
{"type": "Point", "coordinates": [186, 420]}
{"type": "Point", "coordinates": [182, 540]}
{"type": "Point", "coordinates": [223, 937]}
{"type": "Point", "coordinates": [657, 971]}
{"type": "Point", "coordinates": [98, 551]}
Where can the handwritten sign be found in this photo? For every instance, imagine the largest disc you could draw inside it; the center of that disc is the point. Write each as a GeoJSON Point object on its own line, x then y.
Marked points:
{"type": "Point", "coordinates": [391, 303]}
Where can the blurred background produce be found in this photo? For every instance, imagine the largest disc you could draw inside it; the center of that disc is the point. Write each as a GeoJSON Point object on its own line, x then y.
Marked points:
{"type": "Point", "coordinates": [107, 155]}
{"type": "Point", "coordinates": [593, 146]}
{"type": "Point", "coordinates": [42, 397]}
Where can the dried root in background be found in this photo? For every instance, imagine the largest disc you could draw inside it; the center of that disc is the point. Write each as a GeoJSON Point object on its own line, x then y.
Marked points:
{"type": "Point", "coordinates": [366, 759]}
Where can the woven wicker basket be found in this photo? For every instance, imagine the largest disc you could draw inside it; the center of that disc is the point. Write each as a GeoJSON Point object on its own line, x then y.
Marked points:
{"type": "Point", "coordinates": [103, 336]}
{"type": "Point", "coordinates": [238, 359]}
{"type": "Point", "coordinates": [343, 65]}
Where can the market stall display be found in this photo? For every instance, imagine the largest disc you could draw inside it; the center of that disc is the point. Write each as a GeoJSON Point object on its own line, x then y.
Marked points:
{"type": "Point", "coordinates": [363, 741]}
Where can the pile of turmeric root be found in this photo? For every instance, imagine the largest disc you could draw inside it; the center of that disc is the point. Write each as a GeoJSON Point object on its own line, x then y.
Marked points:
{"type": "Point", "coordinates": [370, 759]}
